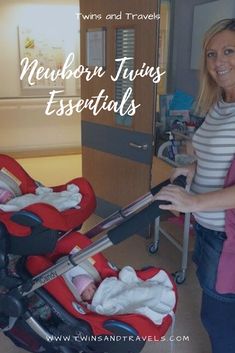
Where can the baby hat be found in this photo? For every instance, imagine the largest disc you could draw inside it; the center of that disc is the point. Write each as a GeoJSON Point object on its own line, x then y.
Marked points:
{"type": "Point", "coordinates": [81, 282]}
{"type": "Point", "coordinates": [5, 195]}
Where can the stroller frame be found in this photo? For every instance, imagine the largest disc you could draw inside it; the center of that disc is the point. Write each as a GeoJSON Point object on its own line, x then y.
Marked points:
{"type": "Point", "coordinates": [116, 228]}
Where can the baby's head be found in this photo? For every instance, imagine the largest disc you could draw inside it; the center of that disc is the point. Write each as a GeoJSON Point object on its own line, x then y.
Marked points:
{"type": "Point", "coordinates": [85, 286]}
{"type": "Point", "coordinates": [5, 195]}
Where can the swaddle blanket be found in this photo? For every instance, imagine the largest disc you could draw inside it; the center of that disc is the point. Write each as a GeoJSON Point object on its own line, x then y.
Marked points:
{"type": "Point", "coordinates": [62, 200]}
{"type": "Point", "coordinates": [154, 298]}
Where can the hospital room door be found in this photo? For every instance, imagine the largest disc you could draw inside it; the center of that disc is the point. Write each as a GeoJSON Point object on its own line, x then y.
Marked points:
{"type": "Point", "coordinates": [117, 148]}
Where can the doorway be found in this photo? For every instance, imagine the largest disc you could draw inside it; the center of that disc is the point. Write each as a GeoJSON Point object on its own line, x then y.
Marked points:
{"type": "Point", "coordinates": [117, 151]}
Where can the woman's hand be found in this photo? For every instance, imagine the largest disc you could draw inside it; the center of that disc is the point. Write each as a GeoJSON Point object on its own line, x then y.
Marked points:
{"type": "Point", "coordinates": [180, 199]}
{"type": "Point", "coordinates": [188, 171]}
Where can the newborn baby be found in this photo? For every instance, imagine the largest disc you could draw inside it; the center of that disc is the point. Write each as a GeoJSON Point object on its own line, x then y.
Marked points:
{"type": "Point", "coordinates": [5, 195]}
{"type": "Point", "coordinates": [62, 200]}
{"type": "Point", "coordinates": [154, 297]}
{"type": "Point", "coordinates": [85, 286]}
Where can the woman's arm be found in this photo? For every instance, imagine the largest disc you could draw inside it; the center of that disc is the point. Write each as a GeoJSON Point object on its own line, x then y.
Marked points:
{"type": "Point", "coordinates": [184, 201]}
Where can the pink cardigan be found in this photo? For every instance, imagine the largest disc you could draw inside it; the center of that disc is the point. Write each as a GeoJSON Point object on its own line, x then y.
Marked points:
{"type": "Point", "coordinates": [225, 282]}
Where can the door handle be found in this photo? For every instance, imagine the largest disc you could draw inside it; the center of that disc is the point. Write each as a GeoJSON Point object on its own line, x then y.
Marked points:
{"type": "Point", "coordinates": [139, 147]}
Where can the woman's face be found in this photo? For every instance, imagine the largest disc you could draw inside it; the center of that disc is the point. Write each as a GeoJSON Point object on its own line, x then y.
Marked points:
{"type": "Point", "coordinates": [220, 60]}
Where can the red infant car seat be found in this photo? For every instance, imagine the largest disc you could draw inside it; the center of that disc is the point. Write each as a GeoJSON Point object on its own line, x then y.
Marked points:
{"type": "Point", "coordinates": [20, 224]}
{"type": "Point", "coordinates": [100, 324]}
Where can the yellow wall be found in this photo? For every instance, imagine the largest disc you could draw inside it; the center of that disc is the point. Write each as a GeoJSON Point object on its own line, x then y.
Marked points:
{"type": "Point", "coordinates": [54, 170]}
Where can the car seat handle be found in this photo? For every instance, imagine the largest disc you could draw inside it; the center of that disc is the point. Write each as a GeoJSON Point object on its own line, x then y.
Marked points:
{"type": "Point", "coordinates": [26, 218]}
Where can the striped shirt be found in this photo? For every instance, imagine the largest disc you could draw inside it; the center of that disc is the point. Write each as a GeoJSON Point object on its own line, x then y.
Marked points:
{"type": "Point", "coordinates": [214, 145]}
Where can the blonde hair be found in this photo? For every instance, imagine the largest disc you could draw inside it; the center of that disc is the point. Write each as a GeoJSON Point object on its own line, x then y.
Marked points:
{"type": "Point", "coordinates": [209, 92]}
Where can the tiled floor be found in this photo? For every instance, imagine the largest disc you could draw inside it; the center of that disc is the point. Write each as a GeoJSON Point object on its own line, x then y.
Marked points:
{"type": "Point", "coordinates": [188, 332]}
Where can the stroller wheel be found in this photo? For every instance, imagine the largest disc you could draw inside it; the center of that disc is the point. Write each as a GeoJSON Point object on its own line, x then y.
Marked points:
{"type": "Point", "coordinates": [153, 247]}
{"type": "Point", "coordinates": [179, 277]}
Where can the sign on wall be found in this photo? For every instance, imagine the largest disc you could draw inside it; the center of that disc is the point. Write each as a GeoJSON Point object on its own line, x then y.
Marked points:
{"type": "Point", "coordinates": [42, 51]}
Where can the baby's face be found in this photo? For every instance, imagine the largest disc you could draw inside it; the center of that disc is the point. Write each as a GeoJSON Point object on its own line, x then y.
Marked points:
{"type": "Point", "coordinates": [5, 196]}
{"type": "Point", "coordinates": [88, 292]}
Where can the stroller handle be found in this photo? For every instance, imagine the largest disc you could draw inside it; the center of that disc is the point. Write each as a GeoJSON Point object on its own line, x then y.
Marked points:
{"type": "Point", "coordinates": [131, 225]}
{"type": "Point", "coordinates": [144, 217]}
{"type": "Point", "coordinates": [179, 181]}
{"type": "Point", "coordinates": [133, 208]}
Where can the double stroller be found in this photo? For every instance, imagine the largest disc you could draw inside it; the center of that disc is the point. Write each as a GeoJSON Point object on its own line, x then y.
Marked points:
{"type": "Point", "coordinates": [39, 245]}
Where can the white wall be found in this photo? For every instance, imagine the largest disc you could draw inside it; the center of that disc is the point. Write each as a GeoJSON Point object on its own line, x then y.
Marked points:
{"type": "Point", "coordinates": [24, 127]}
{"type": "Point", "coordinates": [23, 123]}
{"type": "Point", "coordinates": [181, 76]}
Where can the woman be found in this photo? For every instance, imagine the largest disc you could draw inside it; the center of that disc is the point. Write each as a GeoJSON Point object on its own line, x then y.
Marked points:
{"type": "Point", "coordinates": [210, 198]}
